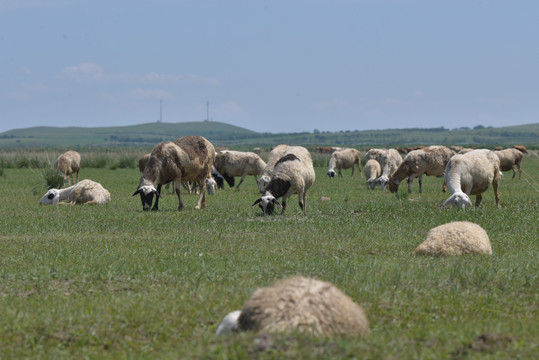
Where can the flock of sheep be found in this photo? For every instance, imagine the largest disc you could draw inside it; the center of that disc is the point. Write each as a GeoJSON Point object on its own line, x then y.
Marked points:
{"type": "Point", "coordinates": [299, 303]}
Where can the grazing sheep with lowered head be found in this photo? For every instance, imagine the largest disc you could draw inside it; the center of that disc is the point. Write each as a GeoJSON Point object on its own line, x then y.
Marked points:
{"type": "Point", "coordinates": [293, 174]}
{"type": "Point", "coordinates": [372, 171]}
{"type": "Point", "coordinates": [455, 238]}
{"type": "Point", "coordinates": [301, 304]}
{"type": "Point", "coordinates": [509, 159]}
{"type": "Point", "coordinates": [274, 155]}
{"type": "Point", "coordinates": [471, 174]}
{"type": "Point", "coordinates": [83, 192]}
{"type": "Point", "coordinates": [68, 164]}
{"type": "Point", "coordinates": [344, 159]}
{"type": "Point", "coordinates": [430, 161]}
{"type": "Point", "coordinates": [389, 160]}
{"type": "Point", "coordinates": [187, 159]}
{"type": "Point", "coordinates": [239, 163]}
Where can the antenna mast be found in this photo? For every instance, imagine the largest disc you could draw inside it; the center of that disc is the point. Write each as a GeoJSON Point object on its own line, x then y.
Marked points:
{"type": "Point", "coordinates": [160, 111]}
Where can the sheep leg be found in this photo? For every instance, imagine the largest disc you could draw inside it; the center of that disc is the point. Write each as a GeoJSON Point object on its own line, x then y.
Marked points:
{"type": "Point", "coordinates": [202, 198]}
{"type": "Point", "coordinates": [283, 203]}
{"type": "Point", "coordinates": [478, 199]}
{"type": "Point", "coordinates": [177, 188]}
{"type": "Point", "coordinates": [495, 188]}
{"type": "Point", "coordinates": [340, 173]}
{"type": "Point", "coordinates": [156, 205]}
{"type": "Point", "coordinates": [352, 171]}
{"type": "Point", "coordinates": [420, 183]}
{"type": "Point", "coordinates": [78, 174]}
{"type": "Point", "coordinates": [519, 171]}
{"type": "Point", "coordinates": [241, 180]}
{"type": "Point", "coordinates": [301, 197]}
{"type": "Point", "coordinates": [410, 180]}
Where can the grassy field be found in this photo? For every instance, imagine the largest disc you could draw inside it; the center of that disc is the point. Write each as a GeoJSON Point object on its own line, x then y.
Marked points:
{"type": "Point", "coordinates": [115, 282]}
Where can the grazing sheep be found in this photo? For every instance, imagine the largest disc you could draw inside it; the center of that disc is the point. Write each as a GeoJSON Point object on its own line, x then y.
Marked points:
{"type": "Point", "coordinates": [187, 159]}
{"type": "Point", "coordinates": [455, 238]}
{"type": "Point", "coordinates": [471, 174]}
{"type": "Point", "coordinates": [239, 163]}
{"type": "Point", "coordinates": [372, 171]}
{"type": "Point", "coordinates": [509, 159]}
{"type": "Point", "coordinates": [430, 161]}
{"type": "Point", "coordinates": [389, 161]}
{"type": "Point", "coordinates": [344, 159]}
{"type": "Point", "coordinates": [293, 174]}
{"type": "Point", "coordinates": [299, 304]}
{"type": "Point", "coordinates": [83, 192]}
{"type": "Point", "coordinates": [275, 154]}
{"type": "Point", "coordinates": [68, 164]}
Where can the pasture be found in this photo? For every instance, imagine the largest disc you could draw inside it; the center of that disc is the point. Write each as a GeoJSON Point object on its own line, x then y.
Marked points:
{"type": "Point", "coordinates": [113, 281]}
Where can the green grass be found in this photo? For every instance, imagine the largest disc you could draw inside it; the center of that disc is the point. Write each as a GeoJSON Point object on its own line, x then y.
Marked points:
{"type": "Point", "coordinates": [115, 282]}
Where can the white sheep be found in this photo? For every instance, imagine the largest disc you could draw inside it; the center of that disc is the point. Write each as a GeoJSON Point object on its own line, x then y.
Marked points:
{"type": "Point", "coordinates": [344, 159]}
{"type": "Point", "coordinates": [293, 174]}
{"type": "Point", "coordinates": [389, 160]}
{"type": "Point", "coordinates": [300, 304]}
{"type": "Point", "coordinates": [471, 174]}
{"type": "Point", "coordinates": [187, 159]}
{"type": "Point", "coordinates": [274, 155]}
{"type": "Point", "coordinates": [372, 171]}
{"type": "Point", "coordinates": [68, 164]}
{"type": "Point", "coordinates": [509, 159]}
{"type": "Point", "coordinates": [455, 238]}
{"type": "Point", "coordinates": [239, 163]}
{"type": "Point", "coordinates": [83, 192]}
{"type": "Point", "coordinates": [430, 161]}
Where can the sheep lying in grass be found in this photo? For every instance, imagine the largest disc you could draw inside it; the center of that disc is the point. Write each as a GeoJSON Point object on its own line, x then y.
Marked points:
{"type": "Point", "coordinates": [344, 159]}
{"type": "Point", "coordinates": [187, 159]}
{"type": "Point", "coordinates": [430, 161]}
{"type": "Point", "coordinates": [83, 192]}
{"type": "Point", "coordinates": [372, 171]}
{"type": "Point", "coordinates": [389, 160]}
{"type": "Point", "coordinates": [68, 164]}
{"type": "Point", "coordinates": [471, 174]}
{"type": "Point", "coordinates": [274, 155]}
{"type": "Point", "coordinates": [293, 174]}
{"type": "Point", "coordinates": [509, 159]}
{"type": "Point", "coordinates": [455, 238]}
{"type": "Point", "coordinates": [300, 304]}
{"type": "Point", "coordinates": [239, 163]}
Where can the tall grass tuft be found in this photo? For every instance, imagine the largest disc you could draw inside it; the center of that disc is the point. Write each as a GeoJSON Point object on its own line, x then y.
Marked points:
{"type": "Point", "coordinates": [49, 175]}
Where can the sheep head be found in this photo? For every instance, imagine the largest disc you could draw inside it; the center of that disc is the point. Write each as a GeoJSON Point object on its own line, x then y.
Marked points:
{"type": "Point", "coordinates": [51, 197]}
{"type": "Point", "coordinates": [371, 183]}
{"type": "Point", "coordinates": [267, 203]}
{"type": "Point", "coordinates": [393, 184]}
{"type": "Point", "coordinates": [211, 184]}
{"type": "Point", "coordinates": [382, 180]}
{"type": "Point", "coordinates": [458, 199]}
{"type": "Point", "coordinates": [230, 323]}
{"type": "Point", "coordinates": [331, 173]}
{"type": "Point", "coordinates": [263, 182]}
{"type": "Point", "coordinates": [147, 193]}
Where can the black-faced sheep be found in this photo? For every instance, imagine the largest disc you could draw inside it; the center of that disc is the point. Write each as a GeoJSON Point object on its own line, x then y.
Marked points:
{"type": "Point", "coordinates": [344, 159]}
{"type": "Point", "coordinates": [239, 163]}
{"type": "Point", "coordinates": [372, 171]}
{"type": "Point", "coordinates": [471, 174]}
{"type": "Point", "coordinates": [430, 161]}
{"type": "Point", "coordinates": [68, 164]}
{"type": "Point", "coordinates": [187, 159]}
{"type": "Point", "coordinates": [389, 160]}
{"type": "Point", "coordinates": [83, 192]}
{"type": "Point", "coordinates": [301, 304]}
{"type": "Point", "coordinates": [293, 174]}
{"type": "Point", "coordinates": [274, 155]}
{"type": "Point", "coordinates": [455, 238]}
{"type": "Point", "coordinates": [509, 159]}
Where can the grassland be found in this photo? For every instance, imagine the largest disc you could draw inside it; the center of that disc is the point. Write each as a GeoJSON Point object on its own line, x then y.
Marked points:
{"type": "Point", "coordinates": [115, 282]}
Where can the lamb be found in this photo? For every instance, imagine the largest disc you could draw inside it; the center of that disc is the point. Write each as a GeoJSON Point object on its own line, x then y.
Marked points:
{"type": "Point", "coordinates": [275, 154]}
{"type": "Point", "coordinates": [455, 238]}
{"type": "Point", "coordinates": [389, 160]}
{"type": "Point", "coordinates": [509, 159]}
{"type": "Point", "coordinates": [300, 304]}
{"type": "Point", "coordinates": [68, 164]}
{"type": "Point", "coordinates": [344, 159]}
{"type": "Point", "coordinates": [186, 159]}
{"type": "Point", "coordinates": [372, 171]}
{"type": "Point", "coordinates": [430, 161]}
{"type": "Point", "coordinates": [293, 174]}
{"type": "Point", "coordinates": [471, 174]}
{"type": "Point", "coordinates": [239, 163]}
{"type": "Point", "coordinates": [83, 192]}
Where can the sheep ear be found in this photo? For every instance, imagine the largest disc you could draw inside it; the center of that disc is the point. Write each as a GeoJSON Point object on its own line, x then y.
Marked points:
{"type": "Point", "coordinates": [256, 202]}
{"type": "Point", "coordinates": [137, 192]}
{"type": "Point", "coordinates": [446, 203]}
{"type": "Point", "coordinates": [276, 202]}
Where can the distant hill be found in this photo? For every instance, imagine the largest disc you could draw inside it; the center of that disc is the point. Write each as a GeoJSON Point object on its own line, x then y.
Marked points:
{"type": "Point", "coordinates": [221, 134]}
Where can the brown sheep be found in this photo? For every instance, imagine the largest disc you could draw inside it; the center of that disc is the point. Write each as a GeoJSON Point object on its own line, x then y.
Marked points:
{"type": "Point", "coordinates": [509, 159]}
{"type": "Point", "coordinates": [68, 164]}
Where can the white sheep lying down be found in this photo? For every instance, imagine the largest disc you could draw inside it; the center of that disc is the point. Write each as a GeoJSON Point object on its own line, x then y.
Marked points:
{"type": "Point", "coordinates": [83, 192]}
{"type": "Point", "coordinates": [471, 174]}
{"type": "Point", "coordinates": [344, 159]}
{"type": "Point", "coordinates": [293, 174]}
{"type": "Point", "coordinates": [299, 304]}
{"type": "Point", "coordinates": [239, 163]}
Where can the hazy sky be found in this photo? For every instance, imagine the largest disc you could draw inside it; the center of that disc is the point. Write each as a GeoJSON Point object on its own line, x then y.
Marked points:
{"type": "Point", "coordinates": [276, 66]}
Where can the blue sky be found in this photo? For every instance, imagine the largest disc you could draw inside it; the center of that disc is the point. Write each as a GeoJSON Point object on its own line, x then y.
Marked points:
{"type": "Point", "coordinates": [270, 66]}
